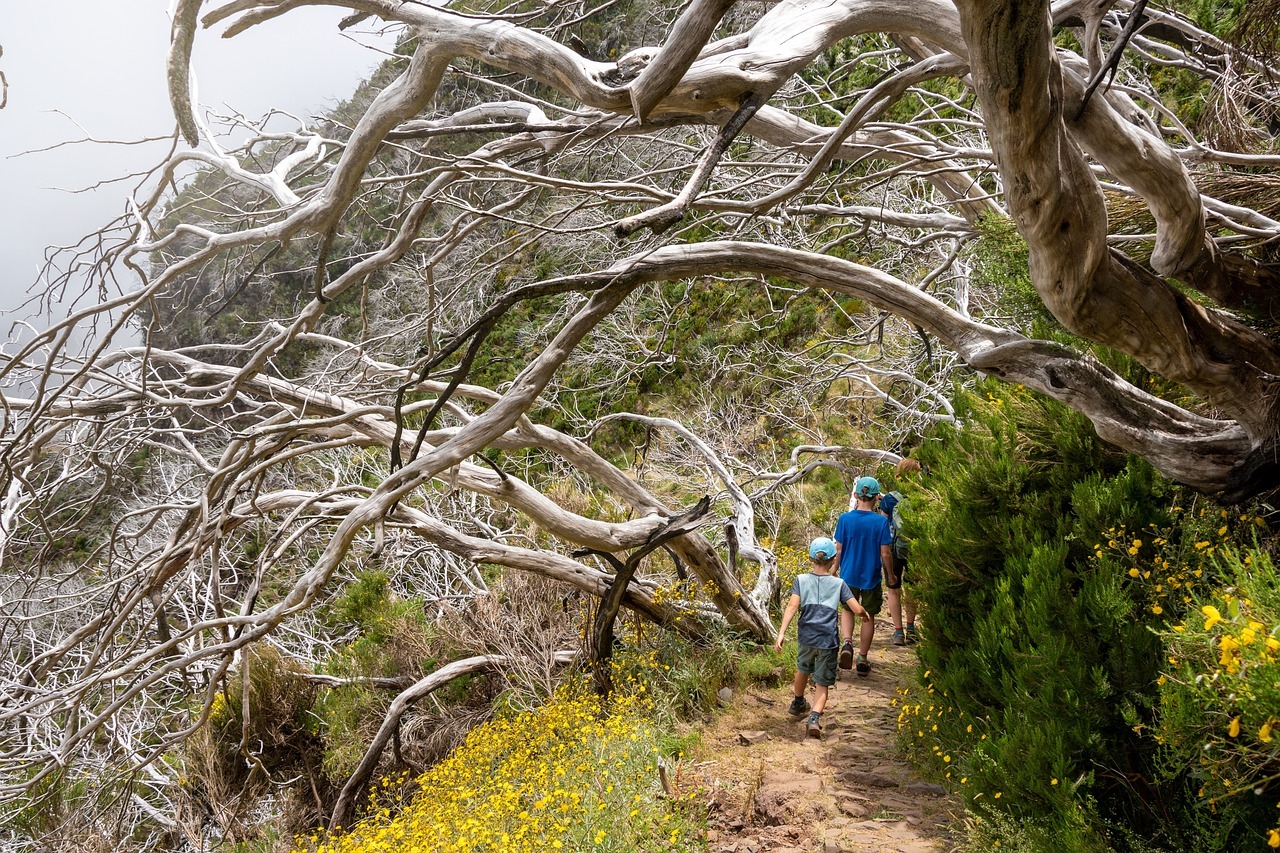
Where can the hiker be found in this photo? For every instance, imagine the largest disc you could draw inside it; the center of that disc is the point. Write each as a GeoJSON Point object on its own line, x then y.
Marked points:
{"type": "Point", "coordinates": [818, 597]}
{"type": "Point", "coordinates": [900, 603]}
{"type": "Point", "coordinates": [863, 538]}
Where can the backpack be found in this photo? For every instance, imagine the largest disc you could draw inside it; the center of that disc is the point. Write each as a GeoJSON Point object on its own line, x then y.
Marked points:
{"type": "Point", "coordinates": [892, 505]}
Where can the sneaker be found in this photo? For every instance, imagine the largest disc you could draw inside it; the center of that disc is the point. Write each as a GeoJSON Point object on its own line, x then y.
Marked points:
{"type": "Point", "coordinates": [899, 638]}
{"type": "Point", "coordinates": [864, 666]}
{"type": "Point", "coordinates": [913, 636]}
{"type": "Point", "coordinates": [846, 655]}
{"type": "Point", "coordinates": [799, 705]}
{"type": "Point", "coordinates": [813, 728]}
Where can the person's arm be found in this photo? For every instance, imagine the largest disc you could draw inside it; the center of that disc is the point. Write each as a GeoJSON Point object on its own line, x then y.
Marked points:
{"type": "Point", "coordinates": [852, 607]}
{"type": "Point", "coordinates": [886, 560]}
{"type": "Point", "coordinates": [792, 607]}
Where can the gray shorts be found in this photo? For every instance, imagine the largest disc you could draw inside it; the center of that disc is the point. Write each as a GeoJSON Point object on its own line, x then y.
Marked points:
{"type": "Point", "coordinates": [820, 663]}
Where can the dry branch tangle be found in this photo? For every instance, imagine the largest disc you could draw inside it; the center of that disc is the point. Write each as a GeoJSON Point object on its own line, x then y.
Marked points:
{"type": "Point", "coordinates": [230, 429]}
{"type": "Point", "coordinates": [1036, 150]}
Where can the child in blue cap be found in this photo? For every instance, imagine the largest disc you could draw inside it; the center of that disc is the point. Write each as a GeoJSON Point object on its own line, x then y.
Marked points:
{"type": "Point", "coordinates": [817, 597]}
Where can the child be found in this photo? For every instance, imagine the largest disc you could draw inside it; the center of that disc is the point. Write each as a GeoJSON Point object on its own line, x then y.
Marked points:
{"type": "Point", "coordinates": [818, 596]}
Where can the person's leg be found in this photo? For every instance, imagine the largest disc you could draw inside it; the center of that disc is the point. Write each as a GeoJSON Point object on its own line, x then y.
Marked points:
{"type": "Point", "coordinates": [824, 675]}
{"type": "Point", "coordinates": [819, 698]}
{"type": "Point", "coordinates": [893, 597]}
{"type": "Point", "coordinates": [805, 660]}
{"type": "Point", "coordinates": [872, 601]}
{"type": "Point", "coordinates": [846, 635]}
{"type": "Point", "coordinates": [908, 609]}
{"type": "Point", "coordinates": [868, 632]}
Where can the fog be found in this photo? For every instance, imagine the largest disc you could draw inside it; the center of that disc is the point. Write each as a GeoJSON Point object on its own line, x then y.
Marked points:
{"type": "Point", "coordinates": [86, 81]}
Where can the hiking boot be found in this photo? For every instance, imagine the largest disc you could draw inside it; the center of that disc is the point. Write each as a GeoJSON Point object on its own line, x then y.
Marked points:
{"type": "Point", "coordinates": [899, 638]}
{"type": "Point", "coordinates": [864, 666]}
{"type": "Point", "coordinates": [813, 728]}
{"type": "Point", "coordinates": [913, 636]}
{"type": "Point", "coordinates": [799, 705]}
{"type": "Point", "coordinates": [846, 655]}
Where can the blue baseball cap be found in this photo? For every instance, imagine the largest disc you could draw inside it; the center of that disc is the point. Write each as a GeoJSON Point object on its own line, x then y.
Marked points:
{"type": "Point", "coordinates": [822, 548]}
{"type": "Point", "coordinates": [866, 487]}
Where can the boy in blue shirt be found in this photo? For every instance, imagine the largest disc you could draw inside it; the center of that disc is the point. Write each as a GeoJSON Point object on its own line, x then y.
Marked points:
{"type": "Point", "coordinates": [817, 597]}
{"type": "Point", "coordinates": [864, 538]}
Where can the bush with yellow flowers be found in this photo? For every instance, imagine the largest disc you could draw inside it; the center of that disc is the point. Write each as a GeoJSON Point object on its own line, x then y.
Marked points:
{"type": "Point", "coordinates": [570, 775]}
{"type": "Point", "coordinates": [1050, 568]}
{"type": "Point", "coordinates": [1220, 700]}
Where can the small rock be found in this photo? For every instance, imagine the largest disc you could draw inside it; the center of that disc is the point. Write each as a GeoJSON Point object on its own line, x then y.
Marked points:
{"type": "Point", "coordinates": [830, 847]}
{"type": "Point", "coordinates": [926, 788]}
{"type": "Point", "coordinates": [725, 695]}
{"type": "Point", "coordinates": [752, 738]}
{"type": "Point", "coordinates": [853, 808]}
{"type": "Point", "coordinates": [867, 780]}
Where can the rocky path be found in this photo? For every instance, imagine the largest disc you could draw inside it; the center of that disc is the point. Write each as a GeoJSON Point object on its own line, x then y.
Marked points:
{"type": "Point", "coordinates": [776, 791]}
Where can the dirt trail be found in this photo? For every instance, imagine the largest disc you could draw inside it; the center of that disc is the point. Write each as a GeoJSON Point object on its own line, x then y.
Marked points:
{"type": "Point", "coordinates": [780, 791]}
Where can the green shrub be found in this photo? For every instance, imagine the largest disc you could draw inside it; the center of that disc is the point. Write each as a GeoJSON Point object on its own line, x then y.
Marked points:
{"type": "Point", "coordinates": [1220, 702]}
{"type": "Point", "coordinates": [1042, 655]}
{"type": "Point", "coordinates": [393, 639]}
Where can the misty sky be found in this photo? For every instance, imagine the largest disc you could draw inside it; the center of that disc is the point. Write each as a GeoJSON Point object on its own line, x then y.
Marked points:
{"type": "Point", "coordinates": [96, 68]}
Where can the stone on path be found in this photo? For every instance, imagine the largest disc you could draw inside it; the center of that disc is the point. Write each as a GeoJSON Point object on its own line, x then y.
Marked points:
{"type": "Point", "coordinates": [789, 798]}
{"type": "Point", "coordinates": [926, 788]}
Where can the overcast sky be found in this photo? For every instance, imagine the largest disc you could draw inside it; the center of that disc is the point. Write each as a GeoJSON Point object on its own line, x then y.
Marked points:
{"type": "Point", "coordinates": [96, 68]}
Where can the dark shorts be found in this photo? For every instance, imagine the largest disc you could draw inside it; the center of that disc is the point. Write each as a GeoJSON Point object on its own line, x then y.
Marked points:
{"type": "Point", "coordinates": [872, 600]}
{"type": "Point", "coordinates": [899, 566]}
{"type": "Point", "coordinates": [820, 663]}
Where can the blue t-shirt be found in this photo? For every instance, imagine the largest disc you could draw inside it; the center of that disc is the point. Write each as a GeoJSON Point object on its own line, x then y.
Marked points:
{"type": "Point", "coordinates": [860, 533]}
{"type": "Point", "coordinates": [820, 598]}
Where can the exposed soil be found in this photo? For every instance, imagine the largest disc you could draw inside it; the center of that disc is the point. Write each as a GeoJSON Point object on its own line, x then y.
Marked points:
{"type": "Point", "coordinates": [775, 790]}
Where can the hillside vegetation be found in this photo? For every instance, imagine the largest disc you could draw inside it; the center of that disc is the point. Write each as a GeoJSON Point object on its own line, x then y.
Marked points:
{"type": "Point", "coordinates": [478, 428]}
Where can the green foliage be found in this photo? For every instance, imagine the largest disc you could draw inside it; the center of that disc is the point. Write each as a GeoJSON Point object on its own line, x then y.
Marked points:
{"type": "Point", "coordinates": [1220, 701]}
{"type": "Point", "coordinates": [1218, 17]}
{"type": "Point", "coordinates": [44, 808]}
{"type": "Point", "coordinates": [571, 774]}
{"type": "Point", "coordinates": [1001, 265]}
{"type": "Point", "coordinates": [1040, 657]}
{"type": "Point", "coordinates": [265, 706]}
{"type": "Point", "coordinates": [762, 665]}
{"type": "Point", "coordinates": [393, 638]}
{"type": "Point", "coordinates": [1057, 577]}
